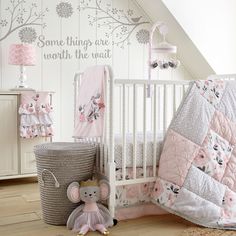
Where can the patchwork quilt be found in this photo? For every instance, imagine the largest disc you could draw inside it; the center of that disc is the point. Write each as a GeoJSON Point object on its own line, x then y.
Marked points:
{"type": "Point", "coordinates": [197, 169]}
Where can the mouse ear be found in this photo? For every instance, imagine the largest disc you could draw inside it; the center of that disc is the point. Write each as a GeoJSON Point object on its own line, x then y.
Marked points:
{"type": "Point", "coordinates": [104, 189]}
{"type": "Point", "coordinates": [73, 192]}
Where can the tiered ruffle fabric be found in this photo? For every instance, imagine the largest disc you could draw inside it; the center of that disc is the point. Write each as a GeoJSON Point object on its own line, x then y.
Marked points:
{"type": "Point", "coordinates": [35, 115]}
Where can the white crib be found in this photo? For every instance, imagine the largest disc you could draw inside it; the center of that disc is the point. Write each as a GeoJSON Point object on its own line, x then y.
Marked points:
{"type": "Point", "coordinates": [125, 115]}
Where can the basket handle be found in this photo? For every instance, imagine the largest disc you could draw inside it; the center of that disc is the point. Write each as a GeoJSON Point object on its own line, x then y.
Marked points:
{"type": "Point", "coordinates": [57, 185]}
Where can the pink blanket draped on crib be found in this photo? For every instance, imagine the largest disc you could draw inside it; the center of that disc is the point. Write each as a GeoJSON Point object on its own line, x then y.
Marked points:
{"type": "Point", "coordinates": [89, 120]}
{"type": "Point", "coordinates": [35, 115]}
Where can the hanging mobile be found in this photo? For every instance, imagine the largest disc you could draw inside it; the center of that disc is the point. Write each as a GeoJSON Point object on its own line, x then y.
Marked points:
{"type": "Point", "coordinates": [162, 47]}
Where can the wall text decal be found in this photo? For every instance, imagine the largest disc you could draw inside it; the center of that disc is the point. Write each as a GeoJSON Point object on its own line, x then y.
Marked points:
{"type": "Point", "coordinates": [74, 48]}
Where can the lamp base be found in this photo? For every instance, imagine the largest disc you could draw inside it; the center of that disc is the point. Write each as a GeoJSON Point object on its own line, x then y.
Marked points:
{"type": "Point", "coordinates": [22, 80]}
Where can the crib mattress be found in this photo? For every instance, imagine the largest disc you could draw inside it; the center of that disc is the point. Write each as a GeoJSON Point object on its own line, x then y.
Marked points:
{"type": "Point", "coordinates": [139, 150]}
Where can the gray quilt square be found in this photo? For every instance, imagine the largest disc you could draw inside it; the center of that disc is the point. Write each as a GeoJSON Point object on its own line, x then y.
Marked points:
{"type": "Point", "coordinates": [228, 105]}
{"type": "Point", "coordinates": [194, 112]}
{"type": "Point", "coordinates": [204, 186]}
{"type": "Point", "coordinates": [195, 208]}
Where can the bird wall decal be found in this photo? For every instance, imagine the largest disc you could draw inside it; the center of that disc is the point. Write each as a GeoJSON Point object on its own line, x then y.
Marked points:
{"type": "Point", "coordinates": [136, 19]}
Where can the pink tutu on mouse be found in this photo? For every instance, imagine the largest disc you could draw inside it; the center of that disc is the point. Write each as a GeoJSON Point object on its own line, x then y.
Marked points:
{"type": "Point", "coordinates": [93, 217]}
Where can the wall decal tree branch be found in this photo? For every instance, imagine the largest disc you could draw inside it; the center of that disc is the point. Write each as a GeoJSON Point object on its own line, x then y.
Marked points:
{"type": "Point", "coordinates": [18, 19]}
{"type": "Point", "coordinates": [121, 24]}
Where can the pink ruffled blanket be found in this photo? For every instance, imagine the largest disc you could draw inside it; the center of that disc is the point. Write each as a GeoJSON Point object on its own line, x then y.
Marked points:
{"type": "Point", "coordinates": [90, 108]}
{"type": "Point", "coordinates": [35, 115]}
{"type": "Point", "coordinates": [196, 177]}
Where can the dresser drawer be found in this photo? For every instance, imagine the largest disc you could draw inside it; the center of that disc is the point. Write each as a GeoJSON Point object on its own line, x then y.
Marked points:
{"type": "Point", "coordinates": [8, 137]}
{"type": "Point", "coordinates": [28, 163]}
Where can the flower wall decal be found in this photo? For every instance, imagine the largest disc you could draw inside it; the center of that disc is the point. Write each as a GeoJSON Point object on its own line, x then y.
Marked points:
{"type": "Point", "coordinates": [3, 23]}
{"type": "Point", "coordinates": [119, 23]}
{"type": "Point", "coordinates": [64, 10]}
{"type": "Point", "coordinates": [142, 36]}
{"type": "Point", "coordinates": [19, 16]}
{"type": "Point", "coordinates": [130, 12]}
{"type": "Point", "coordinates": [27, 35]}
{"type": "Point", "coordinates": [114, 11]}
{"type": "Point", "coordinates": [20, 19]}
{"type": "Point", "coordinates": [124, 28]}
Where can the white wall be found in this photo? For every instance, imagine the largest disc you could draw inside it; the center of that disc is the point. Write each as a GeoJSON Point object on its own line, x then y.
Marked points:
{"type": "Point", "coordinates": [52, 36]}
{"type": "Point", "coordinates": [211, 25]}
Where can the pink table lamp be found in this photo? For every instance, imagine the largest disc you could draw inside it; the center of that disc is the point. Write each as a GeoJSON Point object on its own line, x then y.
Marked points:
{"type": "Point", "coordinates": [22, 55]}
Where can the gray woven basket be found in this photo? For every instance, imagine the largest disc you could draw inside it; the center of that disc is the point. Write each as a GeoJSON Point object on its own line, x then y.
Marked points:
{"type": "Point", "coordinates": [59, 164]}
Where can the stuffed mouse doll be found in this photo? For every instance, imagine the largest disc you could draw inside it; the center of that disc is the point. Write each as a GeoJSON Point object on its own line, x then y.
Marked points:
{"type": "Point", "coordinates": [90, 216]}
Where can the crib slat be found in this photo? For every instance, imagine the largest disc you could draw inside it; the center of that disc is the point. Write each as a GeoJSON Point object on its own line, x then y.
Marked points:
{"type": "Point", "coordinates": [183, 92]}
{"type": "Point", "coordinates": [124, 135]}
{"type": "Point", "coordinates": [174, 99]}
{"type": "Point", "coordinates": [164, 108]}
{"type": "Point", "coordinates": [105, 140]}
{"type": "Point", "coordinates": [154, 131]}
{"type": "Point", "coordinates": [120, 112]}
{"type": "Point", "coordinates": [185, 88]}
{"type": "Point", "coordinates": [134, 129]}
{"type": "Point", "coordinates": [159, 127]}
{"type": "Point", "coordinates": [144, 131]}
{"type": "Point", "coordinates": [77, 80]}
{"type": "Point", "coordinates": [101, 158]}
{"type": "Point", "coordinates": [101, 153]}
{"type": "Point", "coordinates": [98, 157]}
{"type": "Point", "coordinates": [128, 108]}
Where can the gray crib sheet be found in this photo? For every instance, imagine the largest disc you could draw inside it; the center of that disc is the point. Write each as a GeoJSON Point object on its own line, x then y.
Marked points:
{"type": "Point", "coordinates": [139, 150]}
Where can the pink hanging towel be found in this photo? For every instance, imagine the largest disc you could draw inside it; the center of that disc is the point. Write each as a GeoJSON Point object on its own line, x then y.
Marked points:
{"type": "Point", "coordinates": [89, 121]}
{"type": "Point", "coordinates": [35, 115]}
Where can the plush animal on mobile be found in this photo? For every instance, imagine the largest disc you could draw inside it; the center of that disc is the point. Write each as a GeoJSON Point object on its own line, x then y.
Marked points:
{"type": "Point", "coordinates": [90, 216]}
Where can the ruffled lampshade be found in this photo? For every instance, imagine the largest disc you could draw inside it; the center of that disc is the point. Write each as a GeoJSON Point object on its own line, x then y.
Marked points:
{"type": "Point", "coordinates": [22, 55]}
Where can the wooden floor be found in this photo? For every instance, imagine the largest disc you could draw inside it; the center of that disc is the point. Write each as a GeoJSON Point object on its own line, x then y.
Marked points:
{"type": "Point", "coordinates": [20, 215]}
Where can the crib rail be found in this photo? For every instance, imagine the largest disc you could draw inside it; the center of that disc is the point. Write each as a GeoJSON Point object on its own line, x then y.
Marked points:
{"type": "Point", "coordinates": [155, 116]}
{"type": "Point", "coordinates": [160, 82]}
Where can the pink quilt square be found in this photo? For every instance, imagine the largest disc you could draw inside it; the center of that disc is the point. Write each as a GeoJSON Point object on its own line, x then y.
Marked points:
{"type": "Point", "coordinates": [176, 158]}
{"type": "Point", "coordinates": [165, 193]}
{"type": "Point", "coordinates": [212, 90]}
{"type": "Point", "coordinates": [214, 155]}
{"type": "Point", "coordinates": [229, 205]}
{"type": "Point", "coordinates": [229, 177]}
{"type": "Point", "coordinates": [224, 127]}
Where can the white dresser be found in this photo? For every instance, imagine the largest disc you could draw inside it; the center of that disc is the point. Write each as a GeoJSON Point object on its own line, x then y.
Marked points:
{"type": "Point", "coordinates": [16, 154]}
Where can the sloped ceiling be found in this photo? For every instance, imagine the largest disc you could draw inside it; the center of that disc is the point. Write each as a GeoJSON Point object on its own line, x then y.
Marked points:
{"type": "Point", "coordinates": [188, 53]}
{"type": "Point", "coordinates": [211, 25]}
